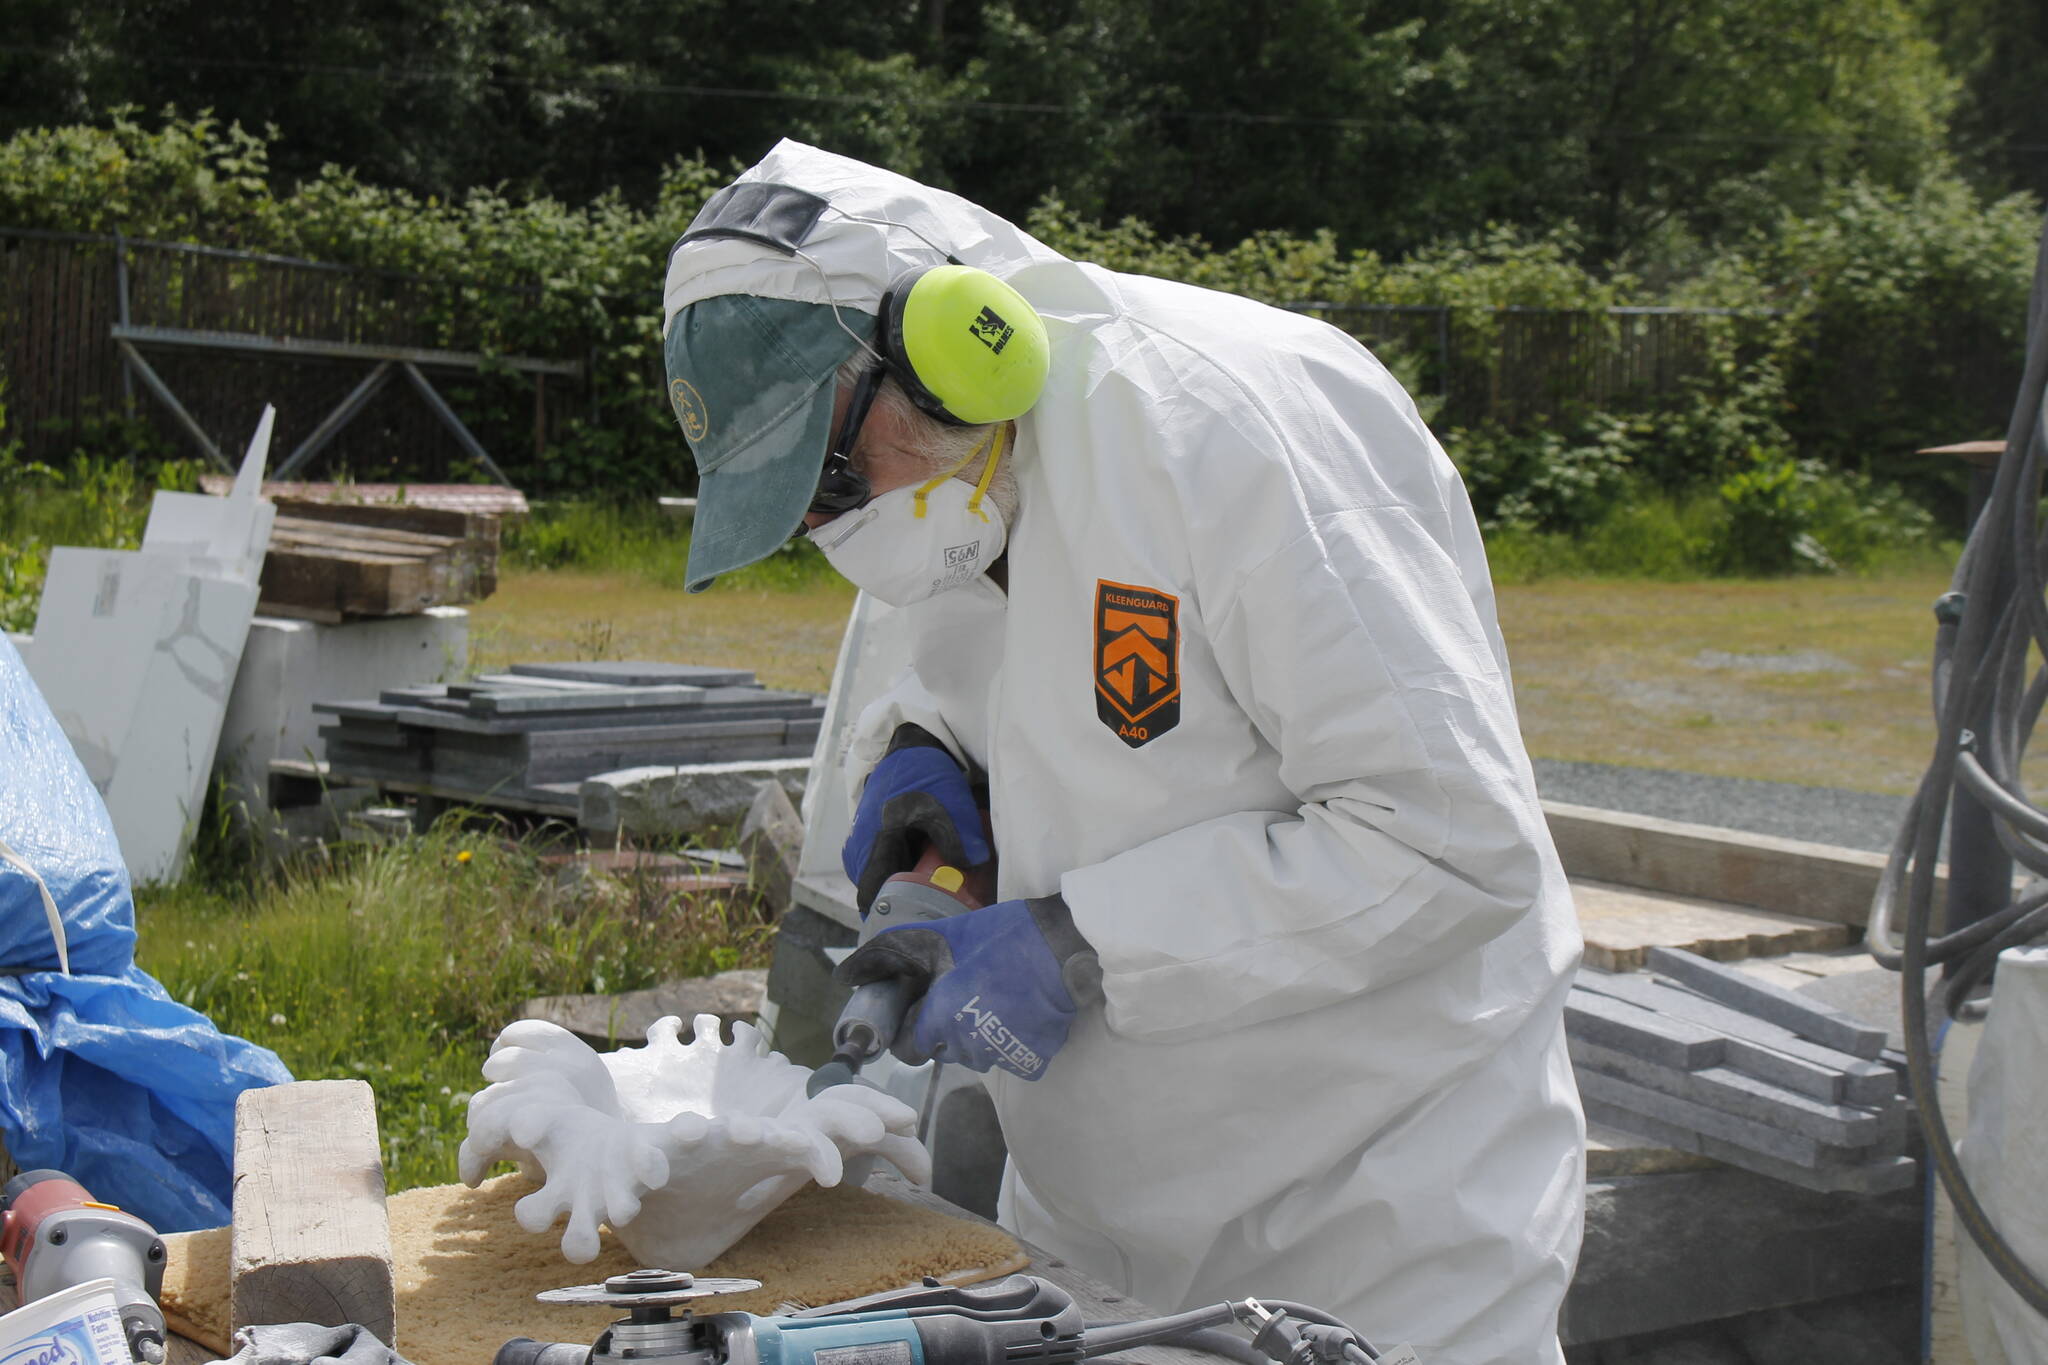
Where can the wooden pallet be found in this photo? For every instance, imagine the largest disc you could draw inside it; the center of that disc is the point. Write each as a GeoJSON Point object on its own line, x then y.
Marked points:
{"type": "Point", "coordinates": [1622, 923]}
{"type": "Point", "coordinates": [330, 571]}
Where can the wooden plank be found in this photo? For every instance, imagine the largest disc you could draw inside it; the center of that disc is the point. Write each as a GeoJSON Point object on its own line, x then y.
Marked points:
{"type": "Point", "coordinates": [1622, 923]}
{"type": "Point", "coordinates": [1789, 876]}
{"type": "Point", "coordinates": [378, 539]}
{"type": "Point", "coordinates": [311, 1240]}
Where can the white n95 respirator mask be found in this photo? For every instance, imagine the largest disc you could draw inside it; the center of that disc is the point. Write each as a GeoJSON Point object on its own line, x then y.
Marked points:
{"type": "Point", "coordinates": [920, 540]}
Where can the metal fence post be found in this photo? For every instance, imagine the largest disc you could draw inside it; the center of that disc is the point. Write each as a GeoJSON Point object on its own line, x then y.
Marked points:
{"type": "Point", "coordinates": [121, 312]}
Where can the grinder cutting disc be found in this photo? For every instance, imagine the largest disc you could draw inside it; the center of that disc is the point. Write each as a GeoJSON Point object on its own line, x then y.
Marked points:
{"type": "Point", "coordinates": [646, 1289]}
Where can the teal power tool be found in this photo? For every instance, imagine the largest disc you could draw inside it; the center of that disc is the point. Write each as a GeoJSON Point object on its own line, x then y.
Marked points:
{"type": "Point", "coordinates": [874, 1012]}
{"type": "Point", "coordinates": [1020, 1320]}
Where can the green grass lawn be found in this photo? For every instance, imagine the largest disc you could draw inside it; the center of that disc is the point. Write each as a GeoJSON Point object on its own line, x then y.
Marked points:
{"type": "Point", "coordinates": [399, 963]}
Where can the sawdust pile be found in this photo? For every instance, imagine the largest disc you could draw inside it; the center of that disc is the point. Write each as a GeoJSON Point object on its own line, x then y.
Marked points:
{"type": "Point", "coordinates": [466, 1273]}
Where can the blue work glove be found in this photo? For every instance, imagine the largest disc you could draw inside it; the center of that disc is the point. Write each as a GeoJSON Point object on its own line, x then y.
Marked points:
{"type": "Point", "coordinates": [1004, 982]}
{"type": "Point", "coordinates": [917, 795]}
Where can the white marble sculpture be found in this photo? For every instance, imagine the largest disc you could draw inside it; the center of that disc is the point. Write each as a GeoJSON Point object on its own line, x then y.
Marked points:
{"type": "Point", "coordinates": [680, 1148]}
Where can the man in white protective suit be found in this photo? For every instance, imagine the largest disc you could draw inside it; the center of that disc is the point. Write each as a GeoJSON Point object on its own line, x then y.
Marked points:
{"type": "Point", "coordinates": [1271, 997]}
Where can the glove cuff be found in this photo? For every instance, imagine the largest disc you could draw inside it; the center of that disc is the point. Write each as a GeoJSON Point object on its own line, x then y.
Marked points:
{"type": "Point", "coordinates": [911, 736]}
{"type": "Point", "coordinates": [1080, 965]}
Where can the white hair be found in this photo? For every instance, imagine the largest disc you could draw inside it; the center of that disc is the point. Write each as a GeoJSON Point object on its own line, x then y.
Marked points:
{"type": "Point", "coordinates": [938, 445]}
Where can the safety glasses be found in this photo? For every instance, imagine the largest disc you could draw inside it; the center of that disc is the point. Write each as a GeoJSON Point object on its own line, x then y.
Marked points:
{"type": "Point", "coordinates": [841, 487]}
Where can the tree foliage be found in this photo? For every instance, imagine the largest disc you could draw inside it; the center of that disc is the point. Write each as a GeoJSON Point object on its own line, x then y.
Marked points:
{"type": "Point", "coordinates": [1391, 123]}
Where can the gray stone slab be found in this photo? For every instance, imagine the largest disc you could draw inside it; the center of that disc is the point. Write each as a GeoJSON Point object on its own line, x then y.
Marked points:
{"type": "Point", "coordinates": [1664, 1251]}
{"type": "Point", "coordinates": [1625, 1096]}
{"type": "Point", "coordinates": [682, 798]}
{"type": "Point", "coordinates": [1882, 1174]}
{"type": "Point", "coordinates": [525, 701]}
{"type": "Point", "coordinates": [437, 718]}
{"type": "Point", "coordinates": [610, 1020]}
{"type": "Point", "coordinates": [611, 736]}
{"type": "Point", "coordinates": [1660, 1038]}
{"type": "Point", "coordinates": [1808, 1018]}
{"type": "Point", "coordinates": [637, 673]}
{"type": "Point", "coordinates": [1871, 995]}
{"type": "Point", "coordinates": [1720, 1088]}
{"type": "Point", "coordinates": [1864, 1082]}
{"type": "Point", "coordinates": [590, 763]}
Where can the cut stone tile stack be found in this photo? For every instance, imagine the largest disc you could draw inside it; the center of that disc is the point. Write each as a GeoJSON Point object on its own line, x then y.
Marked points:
{"type": "Point", "coordinates": [532, 735]}
{"type": "Point", "coordinates": [1706, 1059]}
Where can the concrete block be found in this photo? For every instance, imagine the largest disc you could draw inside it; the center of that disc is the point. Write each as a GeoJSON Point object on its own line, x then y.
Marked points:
{"type": "Point", "coordinates": [289, 666]}
{"type": "Point", "coordinates": [638, 802]}
{"type": "Point", "coordinates": [1807, 1018]}
{"type": "Point", "coordinates": [1663, 1251]}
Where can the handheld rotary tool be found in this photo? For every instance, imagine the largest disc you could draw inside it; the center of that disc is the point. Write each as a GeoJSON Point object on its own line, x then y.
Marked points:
{"type": "Point", "coordinates": [54, 1234]}
{"type": "Point", "coordinates": [867, 1025]}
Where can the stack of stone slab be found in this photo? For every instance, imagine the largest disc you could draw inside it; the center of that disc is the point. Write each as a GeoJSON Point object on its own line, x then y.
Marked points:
{"type": "Point", "coordinates": [530, 736]}
{"type": "Point", "coordinates": [1703, 1058]}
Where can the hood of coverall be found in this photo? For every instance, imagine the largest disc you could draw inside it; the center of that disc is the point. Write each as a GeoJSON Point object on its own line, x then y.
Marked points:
{"type": "Point", "coordinates": [876, 226]}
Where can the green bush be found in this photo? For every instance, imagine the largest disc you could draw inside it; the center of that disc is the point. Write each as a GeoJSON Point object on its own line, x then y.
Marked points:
{"type": "Point", "coordinates": [1546, 480]}
{"type": "Point", "coordinates": [1781, 515]}
{"type": "Point", "coordinates": [1897, 316]}
{"type": "Point", "coordinates": [1775, 516]}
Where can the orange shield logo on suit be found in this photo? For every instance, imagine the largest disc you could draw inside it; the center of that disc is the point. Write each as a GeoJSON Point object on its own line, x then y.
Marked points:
{"type": "Point", "coordinates": [1137, 660]}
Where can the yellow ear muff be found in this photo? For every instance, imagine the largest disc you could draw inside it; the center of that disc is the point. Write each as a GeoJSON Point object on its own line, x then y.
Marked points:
{"type": "Point", "coordinates": [965, 346]}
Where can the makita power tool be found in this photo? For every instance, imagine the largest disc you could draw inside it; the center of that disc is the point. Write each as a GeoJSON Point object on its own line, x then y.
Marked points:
{"type": "Point", "coordinates": [1020, 1320]}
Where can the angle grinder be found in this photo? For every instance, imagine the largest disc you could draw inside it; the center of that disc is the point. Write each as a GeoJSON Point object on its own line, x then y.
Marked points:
{"type": "Point", "coordinates": [1018, 1320]}
{"type": "Point", "coordinates": [933, 889]}
{"type": "Point", "coordinates": [54, 1234]}
{"type": "Point", "coordinates": [1011, 1320]}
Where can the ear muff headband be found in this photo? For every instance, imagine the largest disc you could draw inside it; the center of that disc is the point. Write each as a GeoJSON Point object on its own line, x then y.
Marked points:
{"type": "Point", "coordinates": [965, 346]}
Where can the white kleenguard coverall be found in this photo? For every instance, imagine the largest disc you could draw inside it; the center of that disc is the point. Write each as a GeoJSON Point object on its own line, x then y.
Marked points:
{"type": "Point", "coordinates": [1334, 934]}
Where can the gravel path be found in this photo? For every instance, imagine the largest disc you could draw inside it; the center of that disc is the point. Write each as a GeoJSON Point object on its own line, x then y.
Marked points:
{"type": "Point", "coordinates": [1824, 815]}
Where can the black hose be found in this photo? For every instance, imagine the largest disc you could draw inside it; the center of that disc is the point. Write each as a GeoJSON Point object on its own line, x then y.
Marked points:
{"type": "Point", "coordinates": [1980, 677]}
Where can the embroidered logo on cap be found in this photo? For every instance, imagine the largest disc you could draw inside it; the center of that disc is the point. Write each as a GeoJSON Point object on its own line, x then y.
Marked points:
{"type": "Point", "coordinates": [689, 405]}
{"type": "Point", "coordinates": [1137, 660]}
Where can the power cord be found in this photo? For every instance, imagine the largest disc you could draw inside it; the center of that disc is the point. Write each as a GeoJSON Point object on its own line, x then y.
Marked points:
{"type": "Point", "coordinates": [1997, 608]}
{"type": "Point", "coordinates": [1283, 1333]}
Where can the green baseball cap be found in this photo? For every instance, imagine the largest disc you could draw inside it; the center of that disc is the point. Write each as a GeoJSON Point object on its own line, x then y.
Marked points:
{"type": "Point", "coordinates": [751, 381]}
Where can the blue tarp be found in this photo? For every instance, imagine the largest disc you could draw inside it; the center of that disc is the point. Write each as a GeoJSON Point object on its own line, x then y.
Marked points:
{"type": "Point", "coordinates": [102, 1074]}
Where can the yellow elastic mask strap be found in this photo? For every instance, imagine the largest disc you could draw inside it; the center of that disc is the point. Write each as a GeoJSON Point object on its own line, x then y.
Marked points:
{"type": "Point", "coordinates": [917, 498]}
{"type": "Point", "coordinates": [988, 471]}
